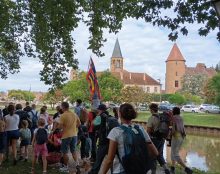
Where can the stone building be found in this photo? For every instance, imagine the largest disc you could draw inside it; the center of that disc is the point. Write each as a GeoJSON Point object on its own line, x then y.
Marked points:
{"type": "Point", "coordinates": [142, 80]}
{"type": "Point", "coordinates": [176, 68]}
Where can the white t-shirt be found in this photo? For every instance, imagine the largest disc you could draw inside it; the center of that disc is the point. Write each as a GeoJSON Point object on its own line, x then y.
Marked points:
{"type": "Point", "coordinates": [116, 134]}
{"type": "Point", "coordinates": [12, 122]}
{"type": "Point", "coordinates": [45, 117]}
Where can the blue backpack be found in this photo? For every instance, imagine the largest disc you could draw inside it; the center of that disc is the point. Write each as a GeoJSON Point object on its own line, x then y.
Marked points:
{"type": "Point", "coordinates": [136, 158]}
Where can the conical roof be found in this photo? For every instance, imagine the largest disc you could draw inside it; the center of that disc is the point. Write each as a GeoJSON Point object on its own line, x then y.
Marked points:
{"type": "Point", "coordinates": [117, 50]}
{"type": "Point", "coordinates": [175, 54]}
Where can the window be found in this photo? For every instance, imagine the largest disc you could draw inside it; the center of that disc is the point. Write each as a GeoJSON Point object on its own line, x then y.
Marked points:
{"type": "Point", "coordinates": [176, 74]}
{"type": "Point", "coordinates": [155, 89]}
{"type": "Point", "coordinates": [176, 84]}
{"type": "Point", "coordinates": [148, 89]}
{"type": "Point", "coordinates": [118, 64]}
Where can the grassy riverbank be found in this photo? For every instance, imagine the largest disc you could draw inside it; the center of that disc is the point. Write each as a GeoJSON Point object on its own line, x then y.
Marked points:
{"type": "Point", "coordinates": [197, 119]}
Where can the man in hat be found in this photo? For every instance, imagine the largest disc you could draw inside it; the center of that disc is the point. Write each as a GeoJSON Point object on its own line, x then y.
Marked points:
{"type": "Point", "coordinates": [100, 126]}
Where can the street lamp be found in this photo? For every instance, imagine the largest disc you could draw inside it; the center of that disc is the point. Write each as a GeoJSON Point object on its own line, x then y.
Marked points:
{"type": "Point", "coordinates": [160, 88]}
{"type": "Point", "coordinates": [216, 4]}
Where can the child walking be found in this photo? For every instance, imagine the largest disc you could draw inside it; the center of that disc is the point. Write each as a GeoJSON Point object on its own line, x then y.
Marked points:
{"type": "Point", "coordinates": [25, 135]}
{"type": "Point", "coordinates": [3, 141]}
{"type": "Point", "coordinates": [39, 145]}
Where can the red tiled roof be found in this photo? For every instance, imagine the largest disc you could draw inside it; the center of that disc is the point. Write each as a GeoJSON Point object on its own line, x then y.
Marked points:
{"type": "Point", "coordinates": [131, 78]}
{"type": "Point", "coordinates": [200, 69]}
{"type": "Point", "coordinates": [175, 54]}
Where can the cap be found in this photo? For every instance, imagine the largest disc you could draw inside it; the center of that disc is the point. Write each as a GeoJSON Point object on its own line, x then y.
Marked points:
{"type": "Point", "coordinates": [102, 107]}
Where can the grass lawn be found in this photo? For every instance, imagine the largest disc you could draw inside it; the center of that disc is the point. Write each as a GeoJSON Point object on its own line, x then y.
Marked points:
{"type": "Point", "coordinates": [198, 119]}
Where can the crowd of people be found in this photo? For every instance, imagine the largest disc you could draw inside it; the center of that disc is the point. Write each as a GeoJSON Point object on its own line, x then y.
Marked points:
{"type": "Point", "coordinates": [125, 147]}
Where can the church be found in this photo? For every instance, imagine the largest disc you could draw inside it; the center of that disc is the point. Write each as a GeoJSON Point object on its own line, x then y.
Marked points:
{"type": "Point", "coordinates": [176, 68]}
{"type": "Point", "coordinates": [143, 80]}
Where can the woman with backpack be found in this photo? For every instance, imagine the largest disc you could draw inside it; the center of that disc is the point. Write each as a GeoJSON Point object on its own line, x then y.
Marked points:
{"type": "Point", "coordinates": [121, 150]}
{"type": "Point", "coordinates": [178, 135]}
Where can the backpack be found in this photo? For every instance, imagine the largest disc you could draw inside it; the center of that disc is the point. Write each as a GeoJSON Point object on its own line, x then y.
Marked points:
{"type": "Point", "coordinates": [83, 115]}
{"type": "Point", "coordinates": [111, 122]}
{"type": "Point", "coordinates": [136, 158]}
{"type": "Point", "coordinates": [34, 119]}
{"type": "Point", "coordinates": [41, 136]}
{"type": "Point", "coordinates": [163, 128]}
{"type": "Point", "coordinates": [26, 134]}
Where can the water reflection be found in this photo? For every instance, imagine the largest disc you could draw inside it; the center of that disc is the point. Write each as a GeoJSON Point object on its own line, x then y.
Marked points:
{"type": "Point", "coordinates": [201, 152]}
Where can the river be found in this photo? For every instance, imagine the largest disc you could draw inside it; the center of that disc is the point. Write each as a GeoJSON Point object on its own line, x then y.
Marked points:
{"type": "Point", "coordinates": [201, 152]}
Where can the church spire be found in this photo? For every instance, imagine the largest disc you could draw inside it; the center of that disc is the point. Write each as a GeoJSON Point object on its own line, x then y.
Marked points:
{"type": "Point", "coordinates": [175, 54]}
{"type": "Point", "coordinates": [117, 50]}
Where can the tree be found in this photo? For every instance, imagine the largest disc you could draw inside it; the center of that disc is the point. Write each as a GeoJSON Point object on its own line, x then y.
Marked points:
{"type": "Point", "coordinates": [215, 85]}
{"type": "Point", "coordinates": [133, 94]}
{"type": "Point", "coordinates": [53, 97]}
{"type": "Point", "coordinates": [43, 28]}
{"type": "Point", "coordinates": [193, 84]}
{"type": "Point", "coordinates": [77, 89]}
{"type": "Point", "coordinates": [110, 87]}
{"type": "Point", "coordinates": [177, 99]}
{"type": "Point", "coordinates": [217, 67]}
{"type": "Point", "coordinates": [192, 98]}
{"type": "Point", "coordinates": [209, 92]}
{"type": "Point", "coordinates": [21, 95]}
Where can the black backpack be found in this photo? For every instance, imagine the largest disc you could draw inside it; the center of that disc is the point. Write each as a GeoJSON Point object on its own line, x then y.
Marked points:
{"type": "Point", "coordinates": [111, 122]}
{"type": "Point", "coordinates": [163, 128]}
{"type": "Point", "coordinates": [41, 136]}
{"type": "Point", "coordinates": [136, 158]}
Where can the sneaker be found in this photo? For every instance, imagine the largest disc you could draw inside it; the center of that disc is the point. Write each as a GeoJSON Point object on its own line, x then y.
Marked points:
{"type": "Point", "coordinates": [21, 158]}
{"type": "Point", "coordinates": [172, 170]}
{"type": "Point", "coordinates": [64, 169]}
{"type": "Point", "coordinates": [167, 171]}
{"type": "Point", "coordinates": [14, 162]}
{"type": "Point", "coordinates": [188, 170]}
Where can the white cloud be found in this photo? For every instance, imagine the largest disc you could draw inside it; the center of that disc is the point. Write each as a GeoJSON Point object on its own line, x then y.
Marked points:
{"type": "Point", "coordinates": [144, 48]}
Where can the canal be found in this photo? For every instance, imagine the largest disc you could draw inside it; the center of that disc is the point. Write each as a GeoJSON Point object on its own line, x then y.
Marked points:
{"type": "Point", "coordinates": [201, 152]}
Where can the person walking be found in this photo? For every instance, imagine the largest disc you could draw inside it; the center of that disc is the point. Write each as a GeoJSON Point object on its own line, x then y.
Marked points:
{"type": "Point", "coordinates": [118, 138]}
{"type": "Point", "coordinates": [178, 135]}
{"type": "Point", "coordinates": [152, 127]}
{"type": "Point", "coordinates": [69, 122]}
{"type": "Point", "coordinates": [12, 121]}
{"type": "Point", "coordinates": [33, 113]}
{"type": "Point", "coordinates": [102, 121]}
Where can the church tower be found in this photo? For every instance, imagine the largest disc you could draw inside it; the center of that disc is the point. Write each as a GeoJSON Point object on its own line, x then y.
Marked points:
{"type": "Point", "coordinates": [116, 59]}
{"type": "Point", "coordinates": [175, 70]}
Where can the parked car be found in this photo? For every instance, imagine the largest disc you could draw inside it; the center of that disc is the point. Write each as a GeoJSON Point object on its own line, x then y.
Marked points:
{"type": "Point", "coordinates": [212, 109]}
{"type": "Point", "coordinates": [203, 107]}
{"type": "Point", "coordinates": [142, 107]}
{"type": "Point", "coordinates": [189, 108]}
{"type": "Point", "coordinates": [164, 107]}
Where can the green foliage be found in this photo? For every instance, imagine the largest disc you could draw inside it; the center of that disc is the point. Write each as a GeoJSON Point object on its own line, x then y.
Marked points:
{"type": "Point", "coordinates": [215, 85]}
{"type": "Point", "coordinates": [77, 89]}
{"type": "Point", "coordinates": [217, 67]}
{"type": "Point", "coordinates": [110, 87]}
{"type": "Point", "coordinates": [209, 92]}
{"type": "Point", "coordinates": [53, 97]}
{"type": "Point", "coordinates": [177, 99]}
{"type": "Point", "coordinates": [21, 95]}
{"type": "Point", "coordinates": [133, 94]}
{"type": "Point", "coordinates": [43, 28]}
{"type": "Point", "coordinates": [192, 98]}
{"type": "Point", "coordinates": [194, 84]}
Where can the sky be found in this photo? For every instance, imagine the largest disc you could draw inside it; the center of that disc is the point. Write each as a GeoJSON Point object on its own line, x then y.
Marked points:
{"type": "Point", "coordinates": [144, 49]}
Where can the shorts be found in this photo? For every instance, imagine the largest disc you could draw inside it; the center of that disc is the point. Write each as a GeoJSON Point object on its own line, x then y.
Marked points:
{"type": "Point", "coordinates": [25, 142]}
{"type": "Point", "coordinates": [69, 143]}
{"type": "Point", "coordinates": [40, 149]}
{"type": "Point", "coordinates": [14, 134]}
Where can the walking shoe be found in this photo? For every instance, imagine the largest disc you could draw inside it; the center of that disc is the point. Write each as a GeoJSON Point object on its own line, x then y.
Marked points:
{"type": "Point", "coordinates": [167, 171]}
{"type": "Point", "coordinates": [78, 169]}
{"type": "Point", "coordinates": [64, 169]}
{"type": "Point", "coordinates": [21, 158]}
{"type": "Point", "coordinates": [14, 162]}
{"type": "Point", "coordinates": [172, 170]}
{"type": "Point", "coordinates": [188, 170]}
